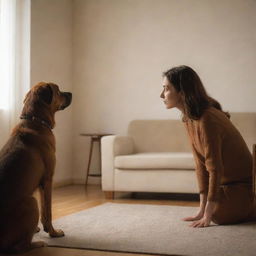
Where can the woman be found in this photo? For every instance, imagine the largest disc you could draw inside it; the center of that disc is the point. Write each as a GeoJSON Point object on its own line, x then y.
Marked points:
{"type": "Point", "coordinates": [223, 160]}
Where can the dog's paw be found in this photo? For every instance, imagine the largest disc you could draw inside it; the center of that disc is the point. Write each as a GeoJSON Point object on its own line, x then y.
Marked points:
{"type": "Point", "coordinates": [56, 233]}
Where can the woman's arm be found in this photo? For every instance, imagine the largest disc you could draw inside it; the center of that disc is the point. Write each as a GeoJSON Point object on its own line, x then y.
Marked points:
{"type": "Point", "coordinates": [203, 182]}
{"type": "Point", "coordinates": [203, 201]}
{"type": "Point", "coordinates": [212, 145]}
{"type": "Point", "coordinates": [200, 214]}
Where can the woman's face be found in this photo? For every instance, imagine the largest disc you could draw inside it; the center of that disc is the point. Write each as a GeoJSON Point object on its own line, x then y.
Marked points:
{"type": "Point", "coordinates": [170, 96]}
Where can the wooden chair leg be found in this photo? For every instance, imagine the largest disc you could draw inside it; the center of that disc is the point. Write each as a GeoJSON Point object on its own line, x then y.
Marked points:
{"type": "Point", "coordinates": [109, 195]}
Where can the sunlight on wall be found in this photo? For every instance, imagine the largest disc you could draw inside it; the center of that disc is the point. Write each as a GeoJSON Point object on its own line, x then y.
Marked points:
{"type": "Point", "coordinates": [7, 50]}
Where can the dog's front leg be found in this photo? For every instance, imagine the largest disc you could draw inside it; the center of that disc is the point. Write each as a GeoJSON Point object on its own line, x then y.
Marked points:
{"type": "Point", "coordinates": [46, 209]}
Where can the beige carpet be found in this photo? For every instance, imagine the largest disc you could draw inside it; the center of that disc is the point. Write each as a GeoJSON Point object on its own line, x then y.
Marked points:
{"type": "Point", "coordinates": [152, 229]}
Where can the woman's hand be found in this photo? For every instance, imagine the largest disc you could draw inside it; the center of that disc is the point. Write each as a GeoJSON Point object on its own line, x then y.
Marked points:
{"type": "Point", "coordinates": [202, 223]}
{"type": "Point", "coordinates": [198, 216]}
{"type": "Point", "coordinates": [207, 217]}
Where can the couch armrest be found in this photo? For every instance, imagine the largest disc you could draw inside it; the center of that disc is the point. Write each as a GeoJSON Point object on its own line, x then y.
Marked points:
{"type": "Point", "coordinates": [112, 146]}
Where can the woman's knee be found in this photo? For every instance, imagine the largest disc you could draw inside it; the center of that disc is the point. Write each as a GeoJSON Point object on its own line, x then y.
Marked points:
{"type": "Point", "coordinates": [221, 217]}
{"type": "Point", "coordinates": [229, 214]}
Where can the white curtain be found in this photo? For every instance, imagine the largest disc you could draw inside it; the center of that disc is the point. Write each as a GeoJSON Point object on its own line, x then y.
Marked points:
{"type": "Point", "coordinates": [14, 61]}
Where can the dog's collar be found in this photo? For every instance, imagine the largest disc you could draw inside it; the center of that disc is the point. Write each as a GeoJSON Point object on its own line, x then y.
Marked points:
{"type": "Point", "coordinates": [37, 119]}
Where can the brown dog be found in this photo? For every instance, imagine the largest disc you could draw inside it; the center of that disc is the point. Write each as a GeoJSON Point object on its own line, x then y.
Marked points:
{"type": "Point", "coordinates": [27, 162]}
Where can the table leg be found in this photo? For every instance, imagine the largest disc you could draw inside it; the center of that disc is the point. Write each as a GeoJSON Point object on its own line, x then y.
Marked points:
{"type": "Point", "coordinates": [254, 171]}
{"type": "Point", "coordinates": [89, 162]}
{"type": "Point", "coordinates": [100, 155]}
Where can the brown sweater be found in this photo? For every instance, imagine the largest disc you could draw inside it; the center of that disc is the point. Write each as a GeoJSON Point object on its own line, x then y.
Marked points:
{"type": "Point", "coordinates": [221, 154]}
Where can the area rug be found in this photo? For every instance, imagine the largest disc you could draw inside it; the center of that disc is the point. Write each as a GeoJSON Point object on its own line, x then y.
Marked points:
{"type": "Point", "coordinates": [152, 229]}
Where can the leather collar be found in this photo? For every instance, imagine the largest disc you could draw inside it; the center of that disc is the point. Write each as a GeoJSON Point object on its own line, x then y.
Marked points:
{"type": "Point", "coordinates": [37, 119]}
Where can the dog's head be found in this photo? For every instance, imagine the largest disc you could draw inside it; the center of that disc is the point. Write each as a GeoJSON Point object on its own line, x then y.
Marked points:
{"type": "Point", "coordinates": [49, 95]}
{"type": "Point", "coordinates": [44, 99]}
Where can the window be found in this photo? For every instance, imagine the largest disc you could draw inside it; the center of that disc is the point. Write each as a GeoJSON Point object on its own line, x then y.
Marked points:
{"type": "Point", "coordinates": [14, 61]}
{"type": "Point", "coordinates": [7, 50]}
{"type": "Point", "coordinates": [14, 51]}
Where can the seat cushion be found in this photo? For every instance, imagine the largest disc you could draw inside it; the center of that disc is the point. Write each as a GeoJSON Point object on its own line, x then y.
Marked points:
{"type": "Point", "coordinates": [163, 160]}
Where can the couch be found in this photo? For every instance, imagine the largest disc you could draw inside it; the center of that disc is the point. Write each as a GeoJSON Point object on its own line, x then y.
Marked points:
{"type": "Point", "coordinates": [155, 156]}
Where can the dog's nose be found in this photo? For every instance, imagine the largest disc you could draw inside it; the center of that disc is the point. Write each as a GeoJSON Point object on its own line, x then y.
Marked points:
{"type": "Point", "coordinates": [68, 99]}
{"type": "Point", "coordinates": [68, 95]}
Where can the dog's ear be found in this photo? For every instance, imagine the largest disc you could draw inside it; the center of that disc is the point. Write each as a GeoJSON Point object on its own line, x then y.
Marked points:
{"type": "Point", "coordinates": [27, 97]}
{"type": "Point", "coordinates": [45, 94]}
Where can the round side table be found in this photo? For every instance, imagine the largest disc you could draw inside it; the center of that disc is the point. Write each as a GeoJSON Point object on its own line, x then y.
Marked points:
{"type": "Point", "coordinates": [94, 137]}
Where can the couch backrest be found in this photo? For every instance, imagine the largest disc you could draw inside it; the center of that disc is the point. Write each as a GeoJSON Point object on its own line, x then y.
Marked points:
{"type": "Point", "coordinates": [245, 122]}
{"type": "Point", "coordinates": [171, 136]}
{"type": "Point", "coordinates": [159, 136]}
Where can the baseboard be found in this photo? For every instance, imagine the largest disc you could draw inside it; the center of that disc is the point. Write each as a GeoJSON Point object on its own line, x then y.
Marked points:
{"type": "Point", "coordinates": [62, 183]}
{"type": "Point", "coordinates": [91, 181]}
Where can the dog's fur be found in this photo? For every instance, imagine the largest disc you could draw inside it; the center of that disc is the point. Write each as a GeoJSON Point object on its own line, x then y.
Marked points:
{"type": "Point", "coordinates": [27, 162]}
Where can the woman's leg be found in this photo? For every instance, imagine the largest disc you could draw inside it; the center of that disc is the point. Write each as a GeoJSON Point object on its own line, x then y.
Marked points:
{"type": "Point", "coordinates": [235, 204]}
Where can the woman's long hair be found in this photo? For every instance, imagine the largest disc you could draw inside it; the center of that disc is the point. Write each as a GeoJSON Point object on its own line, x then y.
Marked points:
{"type": "Point", "coordinates": [193, 94]}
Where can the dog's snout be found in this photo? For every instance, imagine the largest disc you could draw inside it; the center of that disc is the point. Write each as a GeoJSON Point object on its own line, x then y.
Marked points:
{"type": "Point", "coordinates": [68, 96]}
{"type": "Point", "coordinates": [68, 99]}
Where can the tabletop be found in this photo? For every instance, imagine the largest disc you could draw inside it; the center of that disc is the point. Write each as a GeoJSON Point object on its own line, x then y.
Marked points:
{"type": "Point", "coordinates": [95, 135]}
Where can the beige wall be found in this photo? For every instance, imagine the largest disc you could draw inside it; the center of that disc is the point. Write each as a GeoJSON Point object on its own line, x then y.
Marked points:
{"type": "Point", "coordinates": [51, 60]}
{"type": "Point", "coordinates": [122, 47]}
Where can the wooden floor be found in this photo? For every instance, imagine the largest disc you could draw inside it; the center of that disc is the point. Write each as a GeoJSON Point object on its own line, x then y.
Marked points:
{"type": "Point", "coordinates": [70, 199]}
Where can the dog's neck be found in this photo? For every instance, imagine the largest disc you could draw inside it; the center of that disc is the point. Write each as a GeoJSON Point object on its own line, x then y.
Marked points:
{"type": "Point", "coordinates": [38, 120]}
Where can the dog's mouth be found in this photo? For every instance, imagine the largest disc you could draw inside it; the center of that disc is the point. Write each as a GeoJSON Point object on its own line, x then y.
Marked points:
{"type": "Point", "coordinates": [68, 99]}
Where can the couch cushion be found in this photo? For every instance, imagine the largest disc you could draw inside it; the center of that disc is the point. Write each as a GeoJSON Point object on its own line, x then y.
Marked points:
{"type": "Point", "coordinates": [163, 160]}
